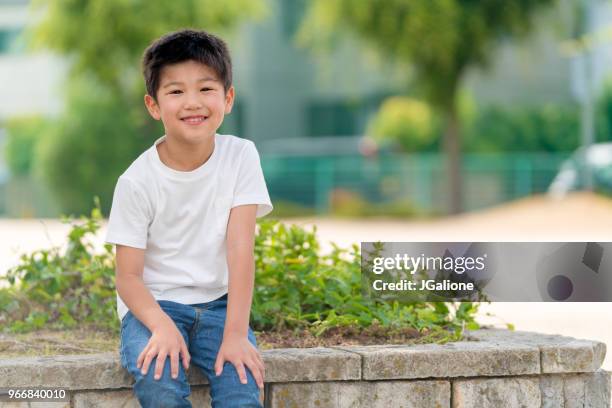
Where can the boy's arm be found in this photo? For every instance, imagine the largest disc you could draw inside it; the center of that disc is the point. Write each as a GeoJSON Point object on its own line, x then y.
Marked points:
{"type": "Point", "coordinates": [235, 347]}
{"type": "Point", "coordinates": [165, 340]}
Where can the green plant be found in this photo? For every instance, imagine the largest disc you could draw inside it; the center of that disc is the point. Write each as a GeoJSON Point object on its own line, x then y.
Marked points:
{"type": "Point", "coordinates": [88, 147]}
{"type": "Point", "coordinates": [297, 287]}
{"type": "Point", "coordinates": [551, 128]}
{"type": "Point", "coordinates": [60, 287]}
{"type": "Point", "coordinates": [346, 203]}
{"type": "Point", "coordinates": [22, 135]}
{"type": "Point", "coordinates": [405, 121]}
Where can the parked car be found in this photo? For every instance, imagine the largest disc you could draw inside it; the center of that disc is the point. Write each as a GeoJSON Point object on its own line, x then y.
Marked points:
{"type": "Point", "coordinates": [574, 172]}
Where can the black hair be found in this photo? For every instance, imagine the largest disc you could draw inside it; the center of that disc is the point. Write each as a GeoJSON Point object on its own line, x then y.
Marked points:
{"type": "Point", "coordinates": [185, 45]}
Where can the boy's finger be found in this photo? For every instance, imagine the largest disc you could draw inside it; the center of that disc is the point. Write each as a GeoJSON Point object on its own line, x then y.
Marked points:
{"type": "Point", "coordinates": [146, 362]}
{"type": "Point", "coordinates": [159, 365]}
{"type": "Point", "coordinates": [256, 371]}
{"type": "Point", "coordinates": [141, 356]}
{"type": "Point", "coordinates": [241, 372]}
{"type": "Point", "coordinates": [259, 362]}
{"type": "Point", "coordinates": [174, 364]}
{"type": "Point", "coordinates": [219, 364]}
{"type": "Point", "coordinates": [186, 357]}
{"type": "Point", "coordinates": [261, 368]}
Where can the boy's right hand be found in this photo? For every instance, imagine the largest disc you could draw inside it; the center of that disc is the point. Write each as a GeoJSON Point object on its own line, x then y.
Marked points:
{"type": "Point", "coordinates": [166, 340]}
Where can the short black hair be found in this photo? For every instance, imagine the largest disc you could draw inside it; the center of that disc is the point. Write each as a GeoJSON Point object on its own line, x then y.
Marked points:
{"type": "Point", "coordinates": [185, 45]}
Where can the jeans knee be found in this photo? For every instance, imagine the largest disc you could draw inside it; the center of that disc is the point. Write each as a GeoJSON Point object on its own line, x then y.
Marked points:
{"type": "Point", "coordinates": [228, 392]}
{"type": "Point", "coordinates": [165, 392]}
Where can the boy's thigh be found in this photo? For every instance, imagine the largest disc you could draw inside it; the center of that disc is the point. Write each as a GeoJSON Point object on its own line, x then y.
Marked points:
{"type": "Point", "coordinates": [226, 390]}
{"type": "Point", "coordinates": [166, 391]}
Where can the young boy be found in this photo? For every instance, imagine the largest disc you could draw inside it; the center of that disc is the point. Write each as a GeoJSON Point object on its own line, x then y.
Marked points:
{"type": "Point", "coordinates": [183, 221]}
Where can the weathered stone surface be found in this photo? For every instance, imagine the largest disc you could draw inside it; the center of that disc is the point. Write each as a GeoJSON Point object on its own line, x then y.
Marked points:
{"type": "Point", "coordinates": [590, 390]}
{"type": "Point", "coordinates": [94, 371]}
{"type": "Point", "coordinates": [105, 399]}
{"type": "Point", "coordinates": [73, 372]}
{"type": "Point", "coordinates": [574, 356]}
{"type": "Point", "coordinates": [33, 404]}
{"type": "Point", "coordinates": [311, 364]}
{"type": "Point", "coordinates": [104, 371]}
{"type": "Point", "coordinates": [461, 359]}
{"type": "Point", "coordinates": [408, 394]}
{"type": "Point", "coordinates": [559, 354]}
{"type": "Point", "coordinates": [125, 398]}
{"type": "Point", "coordinates": [515, 392]}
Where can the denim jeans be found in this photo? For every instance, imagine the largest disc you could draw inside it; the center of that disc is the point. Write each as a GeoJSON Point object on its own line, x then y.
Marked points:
{"type": "Point", "coordinates": [202, 328]}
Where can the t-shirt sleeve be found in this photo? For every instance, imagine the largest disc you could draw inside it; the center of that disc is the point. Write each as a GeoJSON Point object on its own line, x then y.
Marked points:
{"type": "Point", "coordinates": [251, 186]}
{"type": "Point", "coordinates": [129, 218]}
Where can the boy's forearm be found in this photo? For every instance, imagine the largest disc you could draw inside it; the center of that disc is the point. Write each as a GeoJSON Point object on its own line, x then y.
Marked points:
{"type": "Point", "coordinates": [139, 300]}
{"type": "Point", "coordinates": [240, 289]}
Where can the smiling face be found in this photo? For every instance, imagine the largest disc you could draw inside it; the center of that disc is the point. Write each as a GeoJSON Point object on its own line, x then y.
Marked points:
{"type": "Point", "coordinates": [191, 102]}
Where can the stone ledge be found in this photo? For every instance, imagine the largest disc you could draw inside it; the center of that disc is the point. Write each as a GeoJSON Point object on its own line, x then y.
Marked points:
{"type": "Point", "coordinates": [493, 353]}
{"type": "Point", "coordinates": [559, 354]}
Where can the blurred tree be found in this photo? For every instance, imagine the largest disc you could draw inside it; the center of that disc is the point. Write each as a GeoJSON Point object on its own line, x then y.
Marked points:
{"type": "Point", "coordinates": [550, 128]}
{"type": "Point", "coordinates": [23, 133]}
{"type": "Point", "coordinates": [107, 37]}
{"type": "Point", "coordinates": [405, 121]}
{"type": "Point", "coordinates": [440, 39]}
{"type": "Point", "coordinates": [105, 125]}
{"type": "Point", "coordinates": [604, 114]}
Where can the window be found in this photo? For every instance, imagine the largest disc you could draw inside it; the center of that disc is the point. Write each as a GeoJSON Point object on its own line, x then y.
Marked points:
{"type": "Point", "coordinates": [11, 41]}
{"type": "Point", "coordinates": [291, 13]}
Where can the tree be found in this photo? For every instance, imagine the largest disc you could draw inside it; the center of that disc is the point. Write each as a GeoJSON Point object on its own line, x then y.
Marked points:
{"type": "Point", "coordinates": [440, 39]}
{"type": "Point", "coordinates": [104, 125]}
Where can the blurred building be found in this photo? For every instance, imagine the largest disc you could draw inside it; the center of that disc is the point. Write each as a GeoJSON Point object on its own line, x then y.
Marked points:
{"type": "Point", "coordinates": [296, 105]}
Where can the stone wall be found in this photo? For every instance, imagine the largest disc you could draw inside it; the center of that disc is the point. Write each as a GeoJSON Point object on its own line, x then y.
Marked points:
{"type": "Point", "coordinates": [492, 368]}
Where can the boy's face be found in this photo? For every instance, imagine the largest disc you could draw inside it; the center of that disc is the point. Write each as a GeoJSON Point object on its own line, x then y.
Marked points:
{"type": "Point", "coordinates": [191, 101]}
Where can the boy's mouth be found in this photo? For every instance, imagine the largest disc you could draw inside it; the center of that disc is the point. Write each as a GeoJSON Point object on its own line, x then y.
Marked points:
{"type": "Point", "coordinates": [194, 120]}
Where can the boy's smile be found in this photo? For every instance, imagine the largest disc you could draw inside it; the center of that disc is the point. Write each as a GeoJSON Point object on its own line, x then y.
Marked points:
{"type": "Point", "coordinates": [191, 102]}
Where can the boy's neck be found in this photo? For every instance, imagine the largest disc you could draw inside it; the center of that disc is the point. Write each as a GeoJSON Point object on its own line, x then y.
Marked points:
{"type": "Point", "coordinates": [182, 157]}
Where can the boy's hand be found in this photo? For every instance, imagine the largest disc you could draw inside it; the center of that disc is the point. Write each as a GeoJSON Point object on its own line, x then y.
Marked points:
{"type": "Point", "coordinates": [240, 352]}
{"type": "Point", "coordinates": [166, 340]}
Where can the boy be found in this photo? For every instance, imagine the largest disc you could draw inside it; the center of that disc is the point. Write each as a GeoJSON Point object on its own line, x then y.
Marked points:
{"type": "Point", "coordinates": [183, 221]}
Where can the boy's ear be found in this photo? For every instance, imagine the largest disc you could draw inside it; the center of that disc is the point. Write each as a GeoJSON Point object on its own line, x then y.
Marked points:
{"type": "Point", "coordinates": [229, 100]}
{"type": "Point", "coordinates": [152, 107]}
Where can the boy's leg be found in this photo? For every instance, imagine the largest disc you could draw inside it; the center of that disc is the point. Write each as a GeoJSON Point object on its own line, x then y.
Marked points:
{"type": "Point", "coordinates": [226, 390]}
{"type": "Point", "coordinates": [165, 392]}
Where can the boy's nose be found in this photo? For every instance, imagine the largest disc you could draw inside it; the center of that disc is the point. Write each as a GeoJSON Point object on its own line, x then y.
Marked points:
{"type": "Point", "coordinates": [193, 102]}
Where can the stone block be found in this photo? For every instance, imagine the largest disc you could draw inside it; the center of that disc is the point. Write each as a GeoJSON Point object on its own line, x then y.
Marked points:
{"type": "Point", "coordinates": [515, 392]}
{"type": "Point", "coordinates": [311, 364]}
{"type": "Point", "coordinates": [461, 359]}
{"type": "Point", "coordinates": [350, 394]}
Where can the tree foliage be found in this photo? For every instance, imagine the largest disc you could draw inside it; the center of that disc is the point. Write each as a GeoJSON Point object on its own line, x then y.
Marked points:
{"type": "Point", "coordinates": [440, 39]}
{"type": "Point", "coordinates": [104, 125]}
{"type": "Point", "coordinates": [107, 37]}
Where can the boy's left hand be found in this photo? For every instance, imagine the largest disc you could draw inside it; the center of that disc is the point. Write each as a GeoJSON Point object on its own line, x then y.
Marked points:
{"type": "Point", "coordinates": [240, 352]}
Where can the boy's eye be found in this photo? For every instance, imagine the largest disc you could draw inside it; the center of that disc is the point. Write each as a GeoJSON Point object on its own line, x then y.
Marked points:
{"type": "Point", "coordinates": [207, 89]}
{"type": "Point", "coordinates": [176, 91]}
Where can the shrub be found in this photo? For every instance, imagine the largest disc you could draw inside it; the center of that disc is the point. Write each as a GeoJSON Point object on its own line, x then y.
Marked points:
{"type": "Point", "coordinates": [548, 128]}
{"type": "Point", "coordinates": [405, 121]}
{"type": "Point", "coordinates": [22, 135]}
{"type": "Point", "coordinates": [60, 287]}
{"type": "Point", "coordinates": [297, 287]}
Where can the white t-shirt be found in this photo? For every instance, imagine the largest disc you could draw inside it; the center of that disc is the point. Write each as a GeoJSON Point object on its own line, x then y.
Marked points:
{"type": "Point", "coordinates": [180, 218]}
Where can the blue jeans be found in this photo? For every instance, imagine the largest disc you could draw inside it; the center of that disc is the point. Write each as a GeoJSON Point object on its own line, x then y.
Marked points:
{"type": "Point", "coordinates": [202, 328]}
